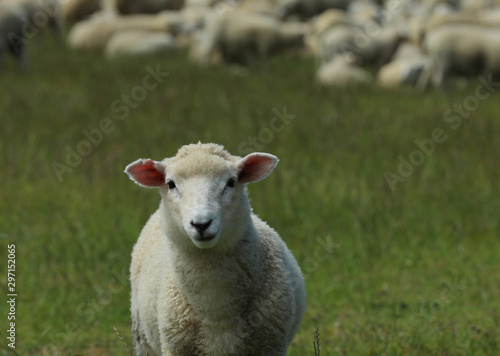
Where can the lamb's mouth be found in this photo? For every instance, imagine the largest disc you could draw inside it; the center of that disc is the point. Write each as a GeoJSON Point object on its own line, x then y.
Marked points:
{"type": "Point", "coordinates": [205, 238]}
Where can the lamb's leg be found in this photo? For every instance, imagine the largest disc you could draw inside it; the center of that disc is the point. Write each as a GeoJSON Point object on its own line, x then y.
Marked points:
{"type": "Point", "coordinates": [141, 346]}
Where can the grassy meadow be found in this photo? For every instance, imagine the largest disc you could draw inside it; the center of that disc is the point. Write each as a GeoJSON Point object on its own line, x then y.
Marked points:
{"type": "Point", "coordinates": [399, 245]}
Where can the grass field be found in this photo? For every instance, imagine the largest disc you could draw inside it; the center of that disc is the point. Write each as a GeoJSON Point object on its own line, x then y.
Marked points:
{"type": "Point", "coordinates": [405, 263]}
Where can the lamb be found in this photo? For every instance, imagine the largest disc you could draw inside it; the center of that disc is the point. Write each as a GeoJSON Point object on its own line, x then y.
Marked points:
{"type": "Point", "coordinates": [240, 35]}
{"type": "Point", "coordinates": [12, 37]}
{"type": "Point", "coordinates": [208, 276]}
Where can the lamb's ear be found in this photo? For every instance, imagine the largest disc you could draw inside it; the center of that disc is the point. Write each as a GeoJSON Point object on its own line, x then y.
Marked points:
{"type": "Point", "coordinates": [255, 167]}
{"type": "Point", "coordinates": [146, 172]}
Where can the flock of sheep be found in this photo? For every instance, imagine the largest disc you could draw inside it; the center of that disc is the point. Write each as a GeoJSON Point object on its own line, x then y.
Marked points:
{"type": "Point", "coordinates": [391, 42]}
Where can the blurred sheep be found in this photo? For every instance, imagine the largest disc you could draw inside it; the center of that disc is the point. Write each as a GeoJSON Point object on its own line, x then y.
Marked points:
{"type": "Point", "coordinates": [94, 33]}
{"type": "Point", "coordinates": [136, 42]}
{"type": "Point", "coordinates": [318, 25]}
{"type": "Point", "coordinates": [342, 71]}
{"type": "Point", "coordinates": [362, 11]}
{"type": "Point", "coordinates": [375, 48]}
{"type": "Point", "coordinates": [462, 49]}
{"type": "Point", "coordinates": [405, 68]}
{"type": "Point", "coordinates": [239, 35]}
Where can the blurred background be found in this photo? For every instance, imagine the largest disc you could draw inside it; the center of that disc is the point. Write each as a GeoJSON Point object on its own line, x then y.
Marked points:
{"type": "Point", "coordinates": [384, 115]}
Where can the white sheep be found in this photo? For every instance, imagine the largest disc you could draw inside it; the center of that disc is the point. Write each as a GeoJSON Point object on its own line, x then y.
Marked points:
{"type": "Point", "coordinates": [13, 19]}
{"type": "Point", "coordinates": [208, 276]}
{"type": "Point", "coordinates": [136, 42]}
{"type": "Point", "coordinates": [376, 48]}
{"type": "Point", "coordinates": [362, 11]}
{"type": "Point", "coordinates": [240, 35]}
{"type": "Point", "coordinates": [318, 25]}
{"type": "Point", "coordinates": [342, 71]}
{"type": "Point", "coordinates": [461, 49]}
{"type": "Point", "coordinates": [95, 32]}
{"type": "Point", "coordinates": [405, 68]}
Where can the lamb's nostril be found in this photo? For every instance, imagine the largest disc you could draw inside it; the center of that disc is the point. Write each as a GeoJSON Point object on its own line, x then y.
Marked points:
{"type": "Point", "coordinates": [201, 227]}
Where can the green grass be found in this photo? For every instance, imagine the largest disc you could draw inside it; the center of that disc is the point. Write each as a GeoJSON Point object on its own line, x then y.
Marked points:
{"type": "Point", "coordinates": [414, 271]}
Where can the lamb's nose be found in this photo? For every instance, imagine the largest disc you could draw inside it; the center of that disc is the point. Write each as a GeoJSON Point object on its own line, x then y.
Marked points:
{"type": "Point", "coordinates": [201, 227]}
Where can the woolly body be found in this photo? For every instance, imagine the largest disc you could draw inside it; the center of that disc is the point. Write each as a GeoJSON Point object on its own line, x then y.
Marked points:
{"type": "Point", "coordinates": [240, 295]}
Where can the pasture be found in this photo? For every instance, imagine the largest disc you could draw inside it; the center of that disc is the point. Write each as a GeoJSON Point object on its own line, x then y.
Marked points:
{"type": "Point", "coordinates": [389, 200]}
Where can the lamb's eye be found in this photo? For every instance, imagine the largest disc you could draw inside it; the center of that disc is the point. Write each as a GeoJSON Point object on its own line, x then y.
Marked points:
{"type": "Point", "coordinates": [171, 184]}
{"type": "Point", "coordinates": [230, 182]}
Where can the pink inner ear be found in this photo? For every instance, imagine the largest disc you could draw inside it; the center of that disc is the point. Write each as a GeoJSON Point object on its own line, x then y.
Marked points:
{"type": "Point", "coordinates": [255, 167]}
{"type": "Point", "coordinates": [146, 173]}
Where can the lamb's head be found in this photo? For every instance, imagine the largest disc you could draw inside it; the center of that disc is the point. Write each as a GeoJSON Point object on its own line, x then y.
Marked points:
{"type": "Point", "coordinates": [204, 201]}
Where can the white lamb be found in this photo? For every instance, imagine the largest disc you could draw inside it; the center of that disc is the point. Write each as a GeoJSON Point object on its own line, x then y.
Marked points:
{"type": "Point", "coordinates": [208, 276]}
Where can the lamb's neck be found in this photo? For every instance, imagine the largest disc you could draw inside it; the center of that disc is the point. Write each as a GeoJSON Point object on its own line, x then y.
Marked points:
{"type": "Point", "coordinates": [219, 284]}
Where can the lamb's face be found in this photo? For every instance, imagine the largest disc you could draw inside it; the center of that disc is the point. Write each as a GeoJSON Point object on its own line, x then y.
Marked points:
{"type": "Point", "coordinates": [202, 204]}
